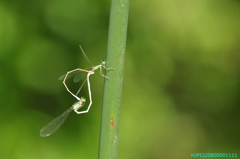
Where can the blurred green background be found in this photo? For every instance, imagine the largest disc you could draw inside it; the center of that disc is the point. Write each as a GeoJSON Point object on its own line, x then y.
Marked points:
{"type": "Point", "coordinates": [181, 91]}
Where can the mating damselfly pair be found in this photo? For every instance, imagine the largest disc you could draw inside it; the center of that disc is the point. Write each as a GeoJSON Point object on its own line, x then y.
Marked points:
{"type": "Point", "coordinates": [53, 126]}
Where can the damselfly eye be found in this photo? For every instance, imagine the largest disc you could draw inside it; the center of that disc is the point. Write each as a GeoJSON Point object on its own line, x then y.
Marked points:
{"type": "Point", "coordinates": [83, 99]}
{"type": "Point", "coordinates": [103, 62]}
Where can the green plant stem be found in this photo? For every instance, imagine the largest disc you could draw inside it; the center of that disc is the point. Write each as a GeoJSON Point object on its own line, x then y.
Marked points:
{"type": "Point", "coordinates": [113, 87]}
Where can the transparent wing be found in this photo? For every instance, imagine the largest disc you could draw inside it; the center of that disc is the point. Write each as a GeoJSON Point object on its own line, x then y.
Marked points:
{"type": "Point", "coordinates": [72, 74]}
{"type": "Point", "coordinates": [81, 87]}
{"type": "Point", "coordinates": [85, 56]}
{"type": "Point", "coordinates": [54, 125]}
{"type": "Point", "coordinates": [79, 76]}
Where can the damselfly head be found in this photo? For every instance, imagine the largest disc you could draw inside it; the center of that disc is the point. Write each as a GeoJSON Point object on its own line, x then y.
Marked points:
{"type": "Point", "coordinates": [103, 62]}
{"type": "Point", "coordinates": [83, 99]}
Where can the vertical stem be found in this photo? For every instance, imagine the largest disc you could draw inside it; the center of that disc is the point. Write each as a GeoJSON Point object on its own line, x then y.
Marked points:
{"type": "Point", "coordinates": [113, 87]}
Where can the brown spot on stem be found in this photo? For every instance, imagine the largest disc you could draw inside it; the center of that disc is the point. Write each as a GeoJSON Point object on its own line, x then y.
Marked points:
{"type": "Point", "coordinates": [112, 122]}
